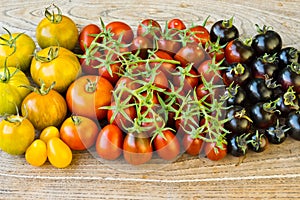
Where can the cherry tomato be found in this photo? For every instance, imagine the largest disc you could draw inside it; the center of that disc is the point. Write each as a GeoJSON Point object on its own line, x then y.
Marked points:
{"type": "Point", "coordinates": [85, 36]}
{"type": "Point", "coordinates": [109, 142]}
{"type": "Point", "coordinates": [167, 146]}
{"type": "Point", "coordinates": [78, 132]}
{"type": "Point", "coordinates": [91, 67]}
{"type": "Point", "coordinates": [36, 153]}
{"type": "Point", "coordinates": [225, 30]}
{"type": "Point", "coordinates": [49, 132]}
{"type": "Point", "coordinates": [119, 29]}
{"type": "Point", "coordinates": [214, 152]}
{"type": "Point", "coordinates": [58, 152]}
{"type": "Point", "coordinates": [176, 24]}
{"type": "Point", "coordinates": [137, 149]}
{"type": "Point", "coordinates": [150, 29]}
{"type": "Point", "coordinates": [192, 145]}
{"type": "Point", "coordinates": [116, 71]}
{"type": "Point", "coordinates": [141, 45]}
{"type": "Point", "coordinates": [237, 51]}
{"type": "Point", "coordinates": [199, 34]}
{"type": "Point", "coordinates": [191, 53]}
{"type": "Point", "coordinates": [209, 70]}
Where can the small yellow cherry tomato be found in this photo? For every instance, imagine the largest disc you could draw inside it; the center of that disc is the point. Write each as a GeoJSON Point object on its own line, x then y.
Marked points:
{"type": "Point", "coordinates": [59, 153]}
{"type": "Point", "coordinates": [36, 153]}
{"type": "Point", "coordinates": [49, 132]}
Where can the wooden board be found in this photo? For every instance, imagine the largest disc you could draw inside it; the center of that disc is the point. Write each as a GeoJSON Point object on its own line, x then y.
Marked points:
{"type": "Point", "coordinates": [272, 174]}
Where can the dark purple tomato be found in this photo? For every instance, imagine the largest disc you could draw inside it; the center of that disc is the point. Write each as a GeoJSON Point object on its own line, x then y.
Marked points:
{"type": "Point", "coordinates": [225, 30]}
{"type": "Point", "coordinates": [293, 122]}
{"type": "Point", "coordinates": [237, 145]}
{"type": "Point", "coordinates": [287, 56]}
{"type": "Point", "coordinates": [257, 142]}
{"type": "Point", "coordinates": [265, 65]}
{"type": "Point", "coordinates": [290, 76]}
{"type": "Point", "coordinates": [237, 73]}
{"type": "Point", "coordinates": [236, 95]}
{"type": "Point", "coordinates": [238, 51]}
{"type": "Point", "coordinates": [276, 134]}
{"type": "Point", "coordinates": [258, 90]}
{"type": "Point", "coordinates": [288, 102]}
{"type": "Point", "coordinates": [263, 115]}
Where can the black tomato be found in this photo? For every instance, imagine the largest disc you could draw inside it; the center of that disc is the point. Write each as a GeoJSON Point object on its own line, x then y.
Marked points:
{"type": "Point", "coordinates": [266, 41]}
{"type": "Point", "coordinates": [288, 101]}
{"type": "Point", "coordinates": [258, 90]}
{"type": "Point", "coordinates": [237, 73]}
{"type": "Point", "coordinates": [235, 95]}
{"type": "Point", "coordinates": [287, 56]}
{"type": "Point", "coordinates": [265, 65]}
{"type": "Point", "coordinates": [237, 145]}
{"type": "Point", "coordinates": [276, 134]}
{"type": "Point", "coordinates": [293, 122]}
{"type": "Point", "coordinates": [225, 30]}
{"type": "Point", "coordinates": [258, 142]}
{"type": "Point", "coordinates": [290, 76]}
{"type": "Point", "coordinates": [239, 122]}
{"type": "Point", "coordinates": [263, 114]}
{"type": "Point", "coordinates": [238, 51]}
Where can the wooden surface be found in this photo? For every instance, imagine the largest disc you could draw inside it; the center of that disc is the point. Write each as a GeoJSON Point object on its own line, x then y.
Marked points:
{"type": "Point", "coordinates": [272, 174]}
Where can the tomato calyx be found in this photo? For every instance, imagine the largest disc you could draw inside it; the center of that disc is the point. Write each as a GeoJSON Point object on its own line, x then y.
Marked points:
{"type": "Point", "coordinates": [42, 90]}
{"type": "Point", "coordinates": [6, 75]}
{"type": "Point", "coordinates": [239, 69]}
{"type": "Point", "coordinates": [76, 120]}
{"type": "Point", "coordinates": [270, 107]}
{"type": "Point", "coordinates": [295, 67]}
{"type": "Point", "coordinates": [52, 54]}
{"type": "Point", "coordinates": [269, 58]}
{"type": "Point", "coordinates": [228, 23]}
{"type": "Point", "coordinates": [290, 97]}
{"type": "Point", "coordinates": [11, 42]}
{"type": "Point", "coordinates": [242, 115]}
{"type": "Point", "coordinates": [263, 29]}
{"type": "Point", "coordinates": [91, 86]}
{"type": "Point", "coordinates": [54, 18]}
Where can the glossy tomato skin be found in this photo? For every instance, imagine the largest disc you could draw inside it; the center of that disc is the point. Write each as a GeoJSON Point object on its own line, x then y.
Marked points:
{"type": "Point", "coordinates": [59, 154]}
{"type": "Point", "coordinates": [225, 30]}
{"type": "Point", "coordinates": [199, 34]}
{"type": "Point", "coordinates": [85, 36]}
{"type": "Point", "coordinates": [169, 44]}
{"type": "Point", "coordinates": [78, 132]}
{"type": "Point", "coordinates": [49, 33]}
{"type": "Point", "coordinates": [261, 67]}
{"type": "Point", "coordinates": [262, 118]}
{"type": "Point", "coordinates": [214, 152]}
{"type": "Point", "coordinates": [36, 153]}
{"type": "Point", "coordinates": [287, 56]}
{"type": "Point", "coordinates": [192, 146]}
{"type": "Point", "coordinates": [293, 122]}
{"type": "Point", "coordinates": [109, 142]}
{"type": "Point", "coordinates": [237, 73]}
{"type": "Point", "coordinates": [176, 24]}
{"type": "Point", "coordinates": [167, 147]}
{"type": "Point", "coordinates": [150, 29]}
{"type": "Point", "coordinates": [237, 145]}
{"type": "Point", "coordinates": [204, 69]}
{"type": "Point", "coordinates": [137, 149]}
{"type": "Point", "coordinates": [288, 77]}
{"type": "Point", "coordinates": [91, 67]}
{"type": "Point", "coordinates": [87, 94]}
{"type": "Point", "coordinates": [44, 110]}
{"type": "Point", "coordinates": [276, 134]}
{"type": "Point", "coordinates": [119, 29]}
{"type": "Point", "coordinates": [237, 51]}
{"type": "Point", "coordinates": [257, 90]}
{"type": "Point", "coordinates": [191, 53]}
{"type": "Point", "coordinates": [141, 44]}
{"type": "Point", "coordinates": [52, 71]}
{"type": "Point", "coordinates": [258, 142]}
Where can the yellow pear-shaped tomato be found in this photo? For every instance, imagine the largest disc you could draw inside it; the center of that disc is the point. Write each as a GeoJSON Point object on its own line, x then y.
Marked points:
{"type": "Point", "coordinates": [59, 154]}
{"type": "Point", "coordinates": [18, 48]}
{"type": "Point", "coordinates": [16, 134]}
{"type": "Point", "coordinates": [55, 64]}
{"type": "Point", "coordinates": [36, 153]}
{"type": "Point", "coordinates": [49, 132]}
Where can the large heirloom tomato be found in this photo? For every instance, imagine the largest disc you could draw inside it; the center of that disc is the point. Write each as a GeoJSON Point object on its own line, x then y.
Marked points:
{"type": "Point", "coordinates": [56, 30]}
{"type": "Point", "coordinates": [11, 93]}
{"type": "Point", "coordinates": [18, 48]}
{"type": "Point", "coordinates": [55, 64]}
{"type": "Point", "coordinates": [87, 95]}
{"type": "Point", "coordinates": [16, 134]}
{"type": "Point", "coordinates": [44, 107]}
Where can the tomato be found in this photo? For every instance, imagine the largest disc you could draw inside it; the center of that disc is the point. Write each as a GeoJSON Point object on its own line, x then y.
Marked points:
{"type": "Point", "coordinates": [56, 30]}
{"type": "Point", "coordinates": [199, 34]}
{"type": "Point", "coordinates": [238, 51]}
{"type": "Point", "coordinates": [58, 152]}
{"type": "Point", "coordinates": [165, 67]}
{"type": "Point", "coordinates": [192, 145]}
{"type": "Point", "coordinates": [150, 29]}
{"type": "Point", "coordinates": [167, 146]}
{"type": "Point", "coordinates": [49, 132]}
{"type": "Point", "coordinates": [86, 36]}
{"type": "Point", "coordinates": [116, 71]}
{"type": "Point", "coordinates": [141, 45]}
{"type": "Point", "coordinates": [87, 94]}
{"type": "Point", "coordinates": [18, 48]}
{"type": "Point", "coordinates": [214, 152]}
{"type": "Point", "coordinates": [90, 67]}
{"type": "Point", "coordinates": [109, 142]}
{"type": "Point", "coordinates": [16, 134]}
{"type": "Point", "coordinates": [78, 132]}
{"type": "Point", "coordinates": [169, 42]}
{"type": "Point", "coordinates": [191, 53]}
{"type": "Point", "coordinates": [44, 107]}
{"type": "Point", "coordinates": [12, 94]}
{"type": "Point", "coordinates": [225, 30]}
{"type": "Point", "coordinates": [137, 149]}
{"type": "Point", "coordinates": [176, 24]}
{"type": "Point", "coordinates": [210, 70]}
{"type": "Point", "coordinates": [119, 29]}
{"type": "Point", "coordinates": [55, 64]}
{"type": "Point", "coordinates": [36, 153]}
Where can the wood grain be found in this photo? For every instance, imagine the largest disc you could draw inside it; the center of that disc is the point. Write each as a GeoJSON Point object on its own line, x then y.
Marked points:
{"type": "Point", "coordinates": [272, 174]}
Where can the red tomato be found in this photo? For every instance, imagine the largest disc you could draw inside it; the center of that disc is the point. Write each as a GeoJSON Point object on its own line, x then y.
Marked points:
{"type": "Point", "coordinates": [120, 28]}
{"type": "Point", "coordinates": [214, 49]}
{"type": "Point", "coordinates": [191, 53]}
{"type": "Point", "coordinates": [160, 80]}
{"type": "Point", "coordinates": [170, 43]}
{"type": "Point", "coordinates": [109, 142]}
{"type": "Point", "coordinates": [85, 37]}
{"type": "Point", "coordinates": [78, 132]}
{"type": "Point", "coordinates": [208, 71]}
{"type": "Point", "coordinates": [176, 24]}
{"type": "Point", "coordinates": [87, 94]}
{"type": "Point", "coordinates": [149, 28]}
{"type": "Point", "coordinates": [166, 67]}
{"type": "Point", "coordinates": [189, 82]}
{"type": "Point", "coordinates": [137, 149]}
{"type": "Point", "coordinates": [167, 148]}
{"type": "Point", "coordinates": [116, 71]}
{"type": "Point", "coordinates": [141, 44]}
{"type": "Point", "coordinates": [213, 152]}
{"type": "Point", "coordinates": [91, 67]}
{"type": "Point", "coordinates": [192, 145]}
{"type": "Point", "coordinates": [200, 34]}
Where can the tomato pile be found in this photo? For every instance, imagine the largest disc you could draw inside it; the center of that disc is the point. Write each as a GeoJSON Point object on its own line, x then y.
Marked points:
{"type": "Point", "coordinates": [157, 91]}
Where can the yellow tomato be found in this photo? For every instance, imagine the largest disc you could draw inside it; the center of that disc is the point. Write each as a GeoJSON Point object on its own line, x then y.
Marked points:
{"type": "Point", "coordinates": [48, 133]}
{"type": "Point", "coordinates": [55, 64]}
{"type": "Point", "coordinates": [19, 49]}
{"type": "Point", "coordinates": [59, 154]}
{"type": "Point", "coordinates": [36, 153]}
{"type": "Point", "coordinates": [56, 29]}
{"type": "Point", "coordinates": [16, 134]}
